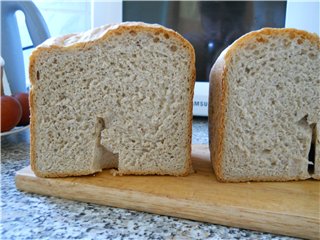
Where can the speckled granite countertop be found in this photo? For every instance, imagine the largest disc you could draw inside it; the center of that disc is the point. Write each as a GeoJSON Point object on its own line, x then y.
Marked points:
{"type": "Point", "coordinates": [30, 216]}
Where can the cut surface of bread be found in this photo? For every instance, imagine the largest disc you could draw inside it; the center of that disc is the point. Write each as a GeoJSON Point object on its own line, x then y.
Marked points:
{"type": "Point", "coordinates": [264, 107]}
{"type": "Point", "coordinates": [119, 96]}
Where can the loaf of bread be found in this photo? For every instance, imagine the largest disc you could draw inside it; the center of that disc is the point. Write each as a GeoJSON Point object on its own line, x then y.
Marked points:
{"type": "Point", "coordinates": [119, 96]}
{"type": "Point", "coordinates": [264, 107]}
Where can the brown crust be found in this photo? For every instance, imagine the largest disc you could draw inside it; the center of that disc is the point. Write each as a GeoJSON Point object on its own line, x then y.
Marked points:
{"type": "Point", "coordinates": [216, 116]}
{"type": "Point", "coordinates": [218, 95]}
{"type": "Point", "coordinates": [183, 173]}
{"type": "Point", "coordinates": [90, 38]}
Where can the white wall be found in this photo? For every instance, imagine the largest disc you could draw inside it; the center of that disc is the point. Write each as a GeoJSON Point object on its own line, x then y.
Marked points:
{"type": "Point", "coordinates": [303, 15]}
{"type": "Point", "coordinates": [105, 12]}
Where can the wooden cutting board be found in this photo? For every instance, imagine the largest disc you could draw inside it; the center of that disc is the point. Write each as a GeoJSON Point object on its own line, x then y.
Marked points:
{"type": "Point", "coordinates": [290, 208]}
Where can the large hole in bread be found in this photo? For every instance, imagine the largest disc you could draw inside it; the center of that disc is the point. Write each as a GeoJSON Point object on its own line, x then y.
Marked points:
{"type": "Point", "coordinates": [103, 157]}
{"type": "Point", "coordinates": [311, 155]}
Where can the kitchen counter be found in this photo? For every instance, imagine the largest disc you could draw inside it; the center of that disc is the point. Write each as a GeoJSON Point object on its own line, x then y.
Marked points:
{"type": "Point", "coordinates": [30, 216]}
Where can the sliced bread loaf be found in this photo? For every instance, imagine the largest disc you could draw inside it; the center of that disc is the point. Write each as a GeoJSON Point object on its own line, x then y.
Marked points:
{"type": "Point", "coordinates": [118, 96]}
{"type": "Point", "coordinates": [264, 107]}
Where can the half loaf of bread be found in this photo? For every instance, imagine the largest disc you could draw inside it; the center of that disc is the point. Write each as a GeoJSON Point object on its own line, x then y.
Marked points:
{"type": "Point", "coordinates": [264, 107]}
{"type": "Point", "coordinates": [119, 96]}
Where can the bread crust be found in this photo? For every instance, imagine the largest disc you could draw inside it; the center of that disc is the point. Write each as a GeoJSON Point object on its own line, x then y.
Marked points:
{"type": "Point", "coordinates": [218, 91]}
{"type": "Point", "coordinates": [91, 38]}
{"type": "Point", "coordinates": [218, 96]}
